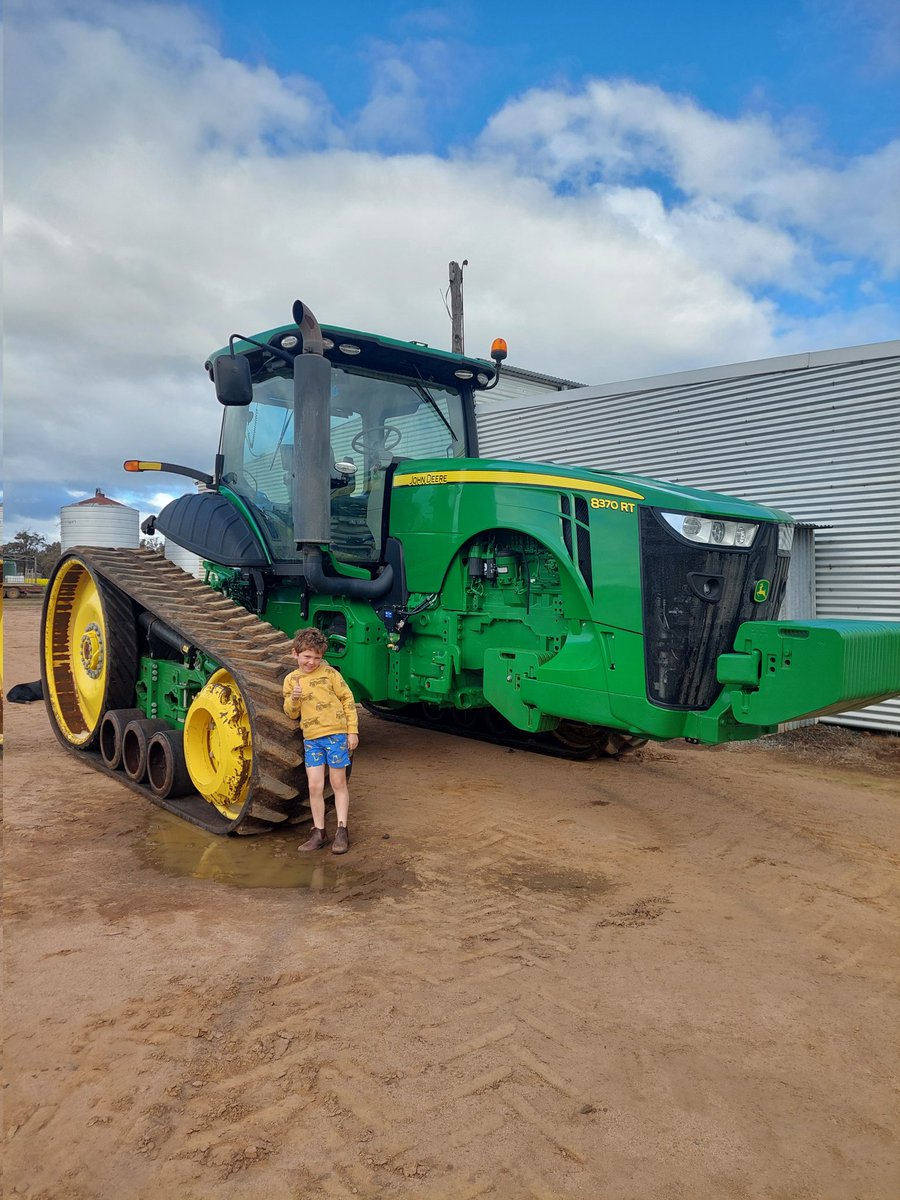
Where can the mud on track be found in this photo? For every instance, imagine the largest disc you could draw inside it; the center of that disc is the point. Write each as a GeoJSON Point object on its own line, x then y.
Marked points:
{"type": "Point", "coordinates": [670, 977]}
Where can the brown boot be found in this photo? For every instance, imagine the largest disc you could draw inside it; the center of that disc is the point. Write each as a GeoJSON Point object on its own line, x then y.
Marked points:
{"type": "Point", "coordinates": [315, 842]}
{"type": "Point", "coordinates": [341, 841]}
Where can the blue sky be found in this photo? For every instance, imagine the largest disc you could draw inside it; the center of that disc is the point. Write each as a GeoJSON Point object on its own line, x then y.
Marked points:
{"type": "Point", "coordinates": [832, 63]}
{"type": "Point", "coordinates": [638, 187]}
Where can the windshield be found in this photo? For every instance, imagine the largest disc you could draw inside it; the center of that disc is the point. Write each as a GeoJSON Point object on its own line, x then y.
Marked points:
{"type": "Point", "coordinates": [374, 419]}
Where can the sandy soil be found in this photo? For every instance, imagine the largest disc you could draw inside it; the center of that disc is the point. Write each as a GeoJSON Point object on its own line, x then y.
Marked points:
{"type": "Point", "coordinates": [669, 977]}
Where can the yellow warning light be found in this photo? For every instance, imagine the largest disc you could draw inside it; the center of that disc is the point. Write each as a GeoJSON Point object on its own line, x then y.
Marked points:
{"type": "Point", "coordinates": [498, 350]}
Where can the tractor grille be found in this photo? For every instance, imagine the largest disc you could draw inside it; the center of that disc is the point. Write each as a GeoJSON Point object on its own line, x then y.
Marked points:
{"type": "Point", "coordinates": [694, 599]}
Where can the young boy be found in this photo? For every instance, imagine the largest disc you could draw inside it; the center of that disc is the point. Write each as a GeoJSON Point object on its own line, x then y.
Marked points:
{"type": "Point", "coordinates": [317, 695]}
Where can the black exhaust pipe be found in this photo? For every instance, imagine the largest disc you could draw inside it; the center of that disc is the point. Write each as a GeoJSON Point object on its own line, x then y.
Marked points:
{"type": "Point", "coordinates": [312, 450]}
{"type": "Point", "coordinates": [311, 498]}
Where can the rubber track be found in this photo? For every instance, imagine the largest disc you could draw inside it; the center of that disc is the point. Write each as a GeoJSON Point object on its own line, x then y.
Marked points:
{"type": "Point", "coordinates": [255, 653]}
{"type": "Point", "coordinates": [487, 726]}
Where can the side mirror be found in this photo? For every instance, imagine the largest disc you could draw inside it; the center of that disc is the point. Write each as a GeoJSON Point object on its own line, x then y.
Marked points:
{"type": "Point", "coordinates": [231, 375]}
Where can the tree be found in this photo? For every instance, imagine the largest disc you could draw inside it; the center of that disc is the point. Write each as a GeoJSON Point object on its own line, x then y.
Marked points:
{"type": "Point", "coordinates": [25, 544]}
{"type": "Point", "coordinates": [47, 559]}
{"type": "Point", "coordinates": [32, 552]}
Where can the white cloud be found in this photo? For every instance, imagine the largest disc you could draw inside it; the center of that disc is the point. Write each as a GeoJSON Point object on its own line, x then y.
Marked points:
{"type": "Point", "coordinates": [767, 178]}
{"type": "Point", "coordinates": [161, 197]}
{"type": "Point", "coordinates": [394, 116]}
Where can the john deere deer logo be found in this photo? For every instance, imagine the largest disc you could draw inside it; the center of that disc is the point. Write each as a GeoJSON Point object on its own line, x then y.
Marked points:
{"type": "Point", "coordinates": [761, 590]}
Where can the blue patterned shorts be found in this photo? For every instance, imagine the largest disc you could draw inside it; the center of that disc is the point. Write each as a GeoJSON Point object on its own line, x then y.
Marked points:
{"type": "Point", "coordinates": [333, 749]}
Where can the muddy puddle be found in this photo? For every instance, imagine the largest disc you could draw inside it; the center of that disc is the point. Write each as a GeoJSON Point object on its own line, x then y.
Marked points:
{"type": "Point", "coordinates": [176, 847]}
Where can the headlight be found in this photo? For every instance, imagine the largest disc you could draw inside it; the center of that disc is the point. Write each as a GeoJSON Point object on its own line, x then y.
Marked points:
{"type": "Point", "coordinates": [785, 538]}
{"type": "Point", "coordinates": [714, 531]}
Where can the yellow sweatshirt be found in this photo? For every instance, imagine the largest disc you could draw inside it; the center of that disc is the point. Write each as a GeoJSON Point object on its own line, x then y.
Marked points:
{"type": "Point", "coordinates": [326, 704]}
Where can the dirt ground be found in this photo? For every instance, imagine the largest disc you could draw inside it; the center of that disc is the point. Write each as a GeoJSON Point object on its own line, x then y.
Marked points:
{"type": "Point", "coordinates": [670, 977]}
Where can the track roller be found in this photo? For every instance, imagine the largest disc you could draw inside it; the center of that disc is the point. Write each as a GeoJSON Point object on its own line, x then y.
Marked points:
{"type": "Point", "coordinates": [167, 772]}
{"type": "Point", "coordinates": [112, 727]}
{"type": "Point", "coordinates": [135, 739]}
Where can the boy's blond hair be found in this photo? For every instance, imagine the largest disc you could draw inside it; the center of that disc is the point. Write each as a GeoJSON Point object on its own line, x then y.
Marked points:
{"type": "Point", "coordinates": [309, 639]}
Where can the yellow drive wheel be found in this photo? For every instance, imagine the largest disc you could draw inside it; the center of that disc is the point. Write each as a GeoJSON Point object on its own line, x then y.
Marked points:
{"type": "Point", "coordinates": [89, 652]}
{"type": "Point", "coordinates": [218, 744]}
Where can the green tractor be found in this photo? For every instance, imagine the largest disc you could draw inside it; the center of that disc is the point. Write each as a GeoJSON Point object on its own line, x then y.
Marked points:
{"type": "Point", "coordinates": [567, 610]}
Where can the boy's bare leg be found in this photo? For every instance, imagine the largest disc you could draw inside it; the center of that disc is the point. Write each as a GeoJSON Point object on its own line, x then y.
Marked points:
{"type": "Point", "coordinates": [338, 776]}
{"type": "Point", "coordinates": [315, 777]}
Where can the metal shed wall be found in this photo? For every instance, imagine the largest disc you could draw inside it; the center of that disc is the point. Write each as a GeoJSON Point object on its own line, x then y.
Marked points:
{"type": "Point", "coordinates": [516, 383]}
{"type": "Point", "coordinates": [815, 434]}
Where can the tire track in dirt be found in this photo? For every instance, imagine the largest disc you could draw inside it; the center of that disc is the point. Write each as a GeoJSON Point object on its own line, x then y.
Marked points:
{"type": "Point", "coordinates": [506, 945]}
{"type": "Point", "coordinates": [487, 952]}
{"type": "Point", "coordinates": [809, 874]}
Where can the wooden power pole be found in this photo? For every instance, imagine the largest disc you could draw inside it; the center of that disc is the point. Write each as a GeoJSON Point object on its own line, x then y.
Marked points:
{"type": "Point", "coordinates": [458, 337]}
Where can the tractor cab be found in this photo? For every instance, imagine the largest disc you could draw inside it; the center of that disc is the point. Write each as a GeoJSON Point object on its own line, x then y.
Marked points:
{"type": "Point", "coordinates": [382, 403]}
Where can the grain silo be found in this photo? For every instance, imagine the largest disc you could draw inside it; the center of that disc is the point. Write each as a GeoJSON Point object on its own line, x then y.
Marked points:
{"type": "Point", "coordinates": [99, 521]}
{"type": "Point", "coordinates": [186, 559]}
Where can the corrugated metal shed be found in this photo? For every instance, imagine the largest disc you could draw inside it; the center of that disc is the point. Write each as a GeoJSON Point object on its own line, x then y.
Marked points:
{"type": "Point", "coordinates": [516, 383]}
{"type": "Point", "coordinates": [816, 434]}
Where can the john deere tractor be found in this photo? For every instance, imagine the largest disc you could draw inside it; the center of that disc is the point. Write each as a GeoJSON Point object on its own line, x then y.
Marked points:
{"type": "Point", "coordinates": [574, 611]}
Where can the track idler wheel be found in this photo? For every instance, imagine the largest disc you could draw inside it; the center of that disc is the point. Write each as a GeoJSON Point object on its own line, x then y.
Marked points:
{"type": "Point", "coordinates": [218, 745]}
{"type": "Point", "coordinates": [167, 772]}
{"type": "Point", "coordinates": [593, 741]}
{"type": "Point", "coordinates": [88, 652]}
{"type": "Point", "coordinates": [624, 743]}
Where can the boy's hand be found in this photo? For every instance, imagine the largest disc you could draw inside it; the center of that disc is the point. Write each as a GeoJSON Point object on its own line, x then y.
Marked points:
{"type": "Point", "coordinates": [296, 693]}
{"type": "Point", "coordinates": [352, 740]}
